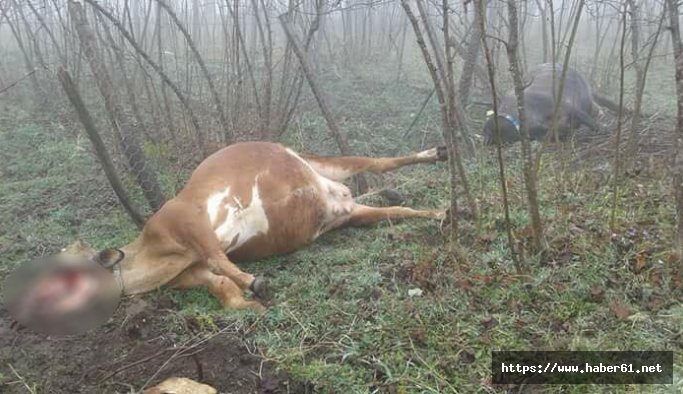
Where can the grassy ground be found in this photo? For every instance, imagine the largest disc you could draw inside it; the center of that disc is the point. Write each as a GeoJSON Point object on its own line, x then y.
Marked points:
{"type": "Point", "coordinates": [342, 318]}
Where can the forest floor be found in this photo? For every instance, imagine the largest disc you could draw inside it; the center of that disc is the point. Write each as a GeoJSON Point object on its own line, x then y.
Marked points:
{"type": "Point", "coordinates": [342, 319]}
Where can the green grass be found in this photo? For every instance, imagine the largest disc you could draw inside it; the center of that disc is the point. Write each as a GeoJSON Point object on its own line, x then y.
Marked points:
{"type": "Point", "coordinates": [341, 317]}
{"type": "Point", "coordinates": [52, 192]}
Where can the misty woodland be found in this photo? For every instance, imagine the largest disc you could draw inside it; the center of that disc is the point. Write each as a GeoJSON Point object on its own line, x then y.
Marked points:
{"type": "Point", "coordinates": [347, 196]}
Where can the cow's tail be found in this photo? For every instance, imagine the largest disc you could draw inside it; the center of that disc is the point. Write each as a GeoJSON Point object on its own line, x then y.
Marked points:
{"type": "Point", "coordinates": [608, 103]}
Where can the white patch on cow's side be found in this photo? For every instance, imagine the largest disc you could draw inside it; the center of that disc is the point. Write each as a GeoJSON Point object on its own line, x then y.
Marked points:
{"type": "Point", "coordinates": [428, 154]}
{"type": "Point", "coordinates": [242, 222]}
{"type": "Point", "coordinates": [215, 203]}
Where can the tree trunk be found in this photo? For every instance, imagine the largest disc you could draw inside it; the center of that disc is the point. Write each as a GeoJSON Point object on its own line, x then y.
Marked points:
{"type": "Point", "coordinates": [472, 54]}
{"type": "Point", "coordinates": [481, 10]}
{"type": "Point", "coordinates": [401, 49]}
{"type": "Point", "coordinates": [446, 129]}
{"type": "Point", "coordinates": [169, 118]}
{"type": "Point", "coordinates": [307, 69]}
{"type": "Point", "coordinates": [227, 132]}
{"type": "Point", "coordinates": [638, 67]}
{"type": "Point", "coordinates": [159, 70]}
{"type": "Point", "coordinates": [100, 149]}
{"type": "Point", "coordinates": [529, 173]}
{"type": "Point", "coordinates": [130, 147]}
{"type": "Point", "coordinates": [38, 94]}
{"type": "Point", "coordinates": [544, 29]}
{"type": "Point", "coordinates": [617, 140]}
{"type": "Point", "coordinates": [678, 132]}
{"type": "Point", "coordinates": [265, 37]}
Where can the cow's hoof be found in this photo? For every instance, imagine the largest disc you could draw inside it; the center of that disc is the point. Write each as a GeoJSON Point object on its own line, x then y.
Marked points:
{"type": "Point", "coordinates": [393, 197]}
{"type": "Point", "coordinates": [260, 288]}
{"type": "Point", "coordinates": [441, 153]}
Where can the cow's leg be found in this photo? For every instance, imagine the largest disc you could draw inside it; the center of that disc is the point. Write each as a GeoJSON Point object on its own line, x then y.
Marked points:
{"type": "Point", "coordinates": [209, 250]}
{"type": "Point", "coordinates": [584, 118]}
{"type": "Point", "coordinates": [363, 215]}
{"type": "Point", "coordinates": [223, 288]}
{"type": "Point", "coordinates": [341, 168]}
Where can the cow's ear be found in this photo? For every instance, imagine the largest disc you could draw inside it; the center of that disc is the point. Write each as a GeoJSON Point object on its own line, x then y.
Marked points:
{"type": "Point", "coordinates": [107, 258]}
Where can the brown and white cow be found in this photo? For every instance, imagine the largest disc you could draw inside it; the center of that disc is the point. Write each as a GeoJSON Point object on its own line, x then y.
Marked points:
{"type": "Point", "coordinates": [247, 201]}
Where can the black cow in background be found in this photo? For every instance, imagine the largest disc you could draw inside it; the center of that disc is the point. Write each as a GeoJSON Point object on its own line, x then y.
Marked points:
{"type": "Point", "coordinates": [578, 106]}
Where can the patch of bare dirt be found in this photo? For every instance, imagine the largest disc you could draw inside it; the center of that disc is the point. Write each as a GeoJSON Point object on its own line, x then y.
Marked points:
{"type": "Point", "coordinates": [141, 346]}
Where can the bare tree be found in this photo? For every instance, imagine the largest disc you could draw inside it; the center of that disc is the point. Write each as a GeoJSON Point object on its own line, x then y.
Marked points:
{"type": "Point", "coordinates": [544, 29]}
{"type": "Point", "coordinates": [470, 61]}
{"type": "Point", "coordinates": [227, 132]}
{"type": "Point", "coordinates": [635, 18]}
{"type": "Point", "coordinates": [266, 38]}
{"type": "Point", "coordinates": [481, 10]}
{"type": "Point", "coordinates": [675, 30]}
{"type": "Point", "coordinates": [641, 70]}
{"type": "Point", "coordinates": [559, 90]}
{"type": "Point", "coordinates": [529, 173]}
{"type": "Point", "coordinates": [617, 140]}
{"type": "Point", "coordinates": [100, 149]}
{"type": "Point", "coordinates": [130, 146]}
{"type": "Point", "coordinates": [158, 68]}
{"type": "Point", "coordinates": [38, 93]}
{"type": "Point", "coordinates": [320, 98]}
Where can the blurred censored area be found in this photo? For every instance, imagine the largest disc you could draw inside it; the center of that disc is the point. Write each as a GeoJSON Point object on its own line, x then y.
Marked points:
{"type": "Point", "coordinates": [61, 295]}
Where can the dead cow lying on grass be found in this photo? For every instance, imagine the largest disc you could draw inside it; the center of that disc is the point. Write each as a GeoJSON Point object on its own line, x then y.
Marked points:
{"type": "Point", "coordinates": [247, 201]}
{"type": "Point", "coordinates": [578, 106]}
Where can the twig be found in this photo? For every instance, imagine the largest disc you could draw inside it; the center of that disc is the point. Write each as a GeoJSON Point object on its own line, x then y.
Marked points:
{"type": "Point", "coordinates": [182, 352]}
{"type": "Point", "coordinates": [419, 113]}
{"type": "Point", "coordinates": [10, 86]}
{"type": "Point", "coordinates": [131, 365]}
{"type": "Point", "coordinates": [21, 379]}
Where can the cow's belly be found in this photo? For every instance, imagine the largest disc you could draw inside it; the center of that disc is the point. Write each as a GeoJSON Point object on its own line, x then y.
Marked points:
{"type": "Point", "coordinates": [292, 223]}
{"type": "Point", "coordinates": [297, 221]}
{"type": "Point", "coordinates": [283, 209]}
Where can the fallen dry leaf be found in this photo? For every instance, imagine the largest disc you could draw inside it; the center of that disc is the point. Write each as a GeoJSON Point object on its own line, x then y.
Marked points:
{"type": "Point", "coordinates": [489, 322]}
{"type": "Point", "coordinates": [621, 311]}
{"type": "Point", "coordinates": [640, 262]}
{"type": "Point", "coordinates": [519, 323]}
{"type": "Point", "coordinates": [423, 274]}
{"type": "Point", "coordinates": [597, 293]}
{"type": "Point", "coordinates": [466, 357]}
{"type": "Point", "coordinates": [490, 237]}
{"type": "Point", "coordinates": [655, 304]}
{"type": "Point", "coordinates": [464, 284]}
{"type": "Point", "coordinates": [655, 278]}
{"type": "Point", "coordinates": [525, 232]}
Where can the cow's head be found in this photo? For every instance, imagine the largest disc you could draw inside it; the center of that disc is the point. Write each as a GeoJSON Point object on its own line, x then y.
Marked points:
{"type": "Point", "coordinates": [67, 293]}
{"type": "Point", "coordinates": [508, 126]}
